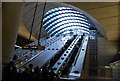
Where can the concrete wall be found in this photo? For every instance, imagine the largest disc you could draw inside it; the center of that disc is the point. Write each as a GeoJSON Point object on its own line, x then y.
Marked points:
{"type": "Point", "coordinates": [106, 51]}
{"type": "Point", "coordinates": [11, 20]}
{"type": "Point", "coordinates": [119, 26]}
{"type": "Point", "coordinates": [0, 40]}
{"type": "Point", "coordinates": [85, 71]}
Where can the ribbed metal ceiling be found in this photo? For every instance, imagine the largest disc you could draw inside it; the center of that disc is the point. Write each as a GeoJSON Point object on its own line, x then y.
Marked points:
{"type": "Point", "coordinates": [65, 20]}
{"type": "Point", "coordinates": [28, 16]}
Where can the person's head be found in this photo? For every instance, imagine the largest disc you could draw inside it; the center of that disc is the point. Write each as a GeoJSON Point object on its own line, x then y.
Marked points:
{"type": "Point", "coordinates": [11, 63]}
{"type": "Point", "coordinates": [14, 68]}
{"type": "Point", "coordinates": [36, 69]}
{"type": "Point", "coordinates": [77, 46]}
{"type": "Point", "coordinates": [30, 66]}
{"type": "Point", "coordinates": [27, 69]}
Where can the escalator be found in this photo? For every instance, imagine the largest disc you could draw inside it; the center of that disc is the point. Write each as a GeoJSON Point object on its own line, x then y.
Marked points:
{"type": "Point", "coordinates": [63, 57]}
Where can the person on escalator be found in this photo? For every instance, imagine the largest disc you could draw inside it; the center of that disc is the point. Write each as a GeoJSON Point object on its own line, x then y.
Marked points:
{"type": "Point", "coordinates": [36, 73]}
{"type": "Point", "coordinates": [6, 74]}
{"type": "Point", "coordinates": [14, 58]}
{"type": "Point", "coordinates": [52, 75]}
{"type": "Point", "coordinates": [45, 73]}
{"type": "Point", "coordinates": [25, 75]}
{"type": "Point", "coordinates": [76, 48]}
{"type": "Point", "coordinates": [31, 68]}
{"type": "Point", "coordinates": [14, 72]}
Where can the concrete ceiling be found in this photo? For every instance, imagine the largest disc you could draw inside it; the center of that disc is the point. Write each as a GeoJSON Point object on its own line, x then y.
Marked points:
{"type": "Point", "coordinates": [105, 12]}
{"type": "Point", "coordinates": [23, 32]}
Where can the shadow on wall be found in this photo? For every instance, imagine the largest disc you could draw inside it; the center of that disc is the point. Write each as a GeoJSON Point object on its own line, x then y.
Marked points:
{"type": "Point", "coordinates": [21, 41]}
{"type": "Point", "coordinates": [106, 51]}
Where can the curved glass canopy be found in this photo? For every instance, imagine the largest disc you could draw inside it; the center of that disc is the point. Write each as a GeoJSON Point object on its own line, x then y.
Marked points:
{"type": "Point", "coordinates": [64, 20]}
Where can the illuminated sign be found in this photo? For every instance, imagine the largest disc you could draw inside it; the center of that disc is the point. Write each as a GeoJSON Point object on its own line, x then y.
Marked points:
{"type": "Point", "coordinates": [34, 47]}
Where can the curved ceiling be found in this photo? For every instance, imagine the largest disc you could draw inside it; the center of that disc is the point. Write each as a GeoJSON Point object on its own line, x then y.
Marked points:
{"type": "Point", "coordinates": [58, 21]}
{"type": "Point", "coordinates": [30, 6]}
{"type": "Point", "coordinates": [106, 13]}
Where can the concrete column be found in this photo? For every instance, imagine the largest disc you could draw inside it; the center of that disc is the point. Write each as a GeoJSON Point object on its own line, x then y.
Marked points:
{"type": "Point", "coordinates": [11, 19]}
{"type": "Point", "coordinates": [119, 27]}
{"type": "Point", "coordinates": [0, 40]}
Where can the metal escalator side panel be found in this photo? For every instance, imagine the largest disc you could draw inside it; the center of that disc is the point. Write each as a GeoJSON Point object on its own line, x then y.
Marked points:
{"type": "Point", "coordinates": [77, 67]}
{"type": "Point", "coordinates": [65, 56]}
